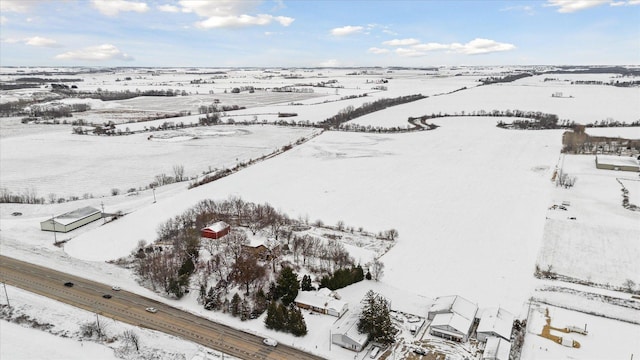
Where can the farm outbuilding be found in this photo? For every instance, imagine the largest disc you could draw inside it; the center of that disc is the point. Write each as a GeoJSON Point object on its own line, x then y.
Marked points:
{"type": "Point", "coordinates": [496, 349]}
{"type": "Point", "coordinates": [621, 163]}
{"type": "Point", "coordinates": [452, 317]}
{"type": "Point", "coordinates": [314, 301]}
{"type": "Point", "coordinates": [71, 220]}
{"type": "Point", "coordinates": [345, 332]}
{"type": "Point", "coordinates": [496, 322]}
{"type": "Point", "coordinates": [216, 230]}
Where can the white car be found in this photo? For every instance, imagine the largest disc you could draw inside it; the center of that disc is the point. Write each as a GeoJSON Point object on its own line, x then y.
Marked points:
{"type": "Point", "coordinates": [270, 342]}
{"type": "Point", "coordinates": [152, 310]}
{"type": "Point", "coordinates": [115, 288]}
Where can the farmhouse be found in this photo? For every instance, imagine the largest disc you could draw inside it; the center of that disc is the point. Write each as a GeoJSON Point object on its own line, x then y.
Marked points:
{"type": "Point", "coordinates": [452, 317]}
{"type": "Point", "coordinates": [345, 332]}
{"type": "Point", "coordinates": [71, 220]}
{"type": "Point", "coordinates": [495, 322]}
{"type": "Point", "coordinates": [622, 163]}
{"type": "Point", "coordinates": [317, 302]}
{"type": "Point", "coordinates": [496, 349]}
{"type": "Point", "coordinates": [260, 252]}
{"type": "Point", "coordinates": [216, 230]}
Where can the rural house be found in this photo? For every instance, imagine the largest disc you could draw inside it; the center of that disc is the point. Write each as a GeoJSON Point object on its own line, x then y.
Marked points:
{"type": "Point", "coordinates": [216, 230]}
{"type": "Point", "coordinates": [314, 301]}
{"type": "Point", "coordinates": [452, 317]}
{"type": "Point", "coordinates": [71, 220]}
{"type": "Point", "coordinates": [345, 332]}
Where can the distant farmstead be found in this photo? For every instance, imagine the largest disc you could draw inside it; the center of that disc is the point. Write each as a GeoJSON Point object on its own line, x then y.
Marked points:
{"type": "Point", "coordinates": [216, 230]}
{"type": "Point", "coordinates": [71, 220]}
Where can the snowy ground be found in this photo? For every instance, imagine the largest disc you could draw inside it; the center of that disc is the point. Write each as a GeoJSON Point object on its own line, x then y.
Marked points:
{"type": "Point", "coordinates": [469, 200]}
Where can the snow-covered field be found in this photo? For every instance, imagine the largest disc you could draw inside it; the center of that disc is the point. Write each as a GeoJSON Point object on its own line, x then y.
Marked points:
{"type": "Point", "coordinates": [469, 200]}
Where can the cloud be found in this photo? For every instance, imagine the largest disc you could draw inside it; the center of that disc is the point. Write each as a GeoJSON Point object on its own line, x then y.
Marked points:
{"type": "Point", "coordinates": [569, 6]}
{"type": "Point", "coordinates": [473, 47]}
{"type": "Point", "coordinates": [114, 7]}
{"type": "Point", "coordinates": [482, 46]}
{"type": "Point", "coordinates": [19, 6]}
{"type": "Point", "coordinates": [625, 3]}
{"type": "Point", "coordinates": [3, 20]}
{"type": "Point", "coordinates": [40, 41]}
{"type": "Point", "coordinates": [375, 50]}
{"type": "Point", "coordinates": [168, 8]}
{"type": "Point", "coordinates": [401, 42]}
{"type": "Point", "coordinates": [432, 46]}
{"type": "Point", "coordinates": [529, 10]}
{"type": "Point", "coordinates": [346, 30]}
{"type": "Point", "coordinates": [230, 14]}
{"type": "Point", "coordinates": [242, 21]}
{"type": "Point", "coordinates": [95, 53]}
{"type": "Point", "coordinates": [330, 63]}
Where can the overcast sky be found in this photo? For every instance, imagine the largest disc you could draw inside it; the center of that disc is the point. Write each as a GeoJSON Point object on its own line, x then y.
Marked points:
{"type": "Point", "coordinates": [305, 33]}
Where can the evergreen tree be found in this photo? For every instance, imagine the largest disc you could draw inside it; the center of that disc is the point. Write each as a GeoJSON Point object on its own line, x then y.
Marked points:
{"type": "Point", "coordinates": [306, 283]}
{"type": "Point", "coordinates": [296, 324]}
{"type": "Point", "coordinates": [235, 304]}
{"type": "Point", "coordinates": [281, 317]}
{"type": "Point", "coordinates": [270, 320]}
{"type": "Point", "coordinates": [287, 286]}
{"type": "Point", "coordinates": [375, 319]}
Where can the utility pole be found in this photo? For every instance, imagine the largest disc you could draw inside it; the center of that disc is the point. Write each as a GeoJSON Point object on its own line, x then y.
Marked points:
{"type": "Point", "coordinates": [103, 217]}
{"type": "Point", "coordinates": [53, 223]}
{"type": "Point", "coordinates": [7, 296]}
{"type": "Point", "coordinates": [154, 194]}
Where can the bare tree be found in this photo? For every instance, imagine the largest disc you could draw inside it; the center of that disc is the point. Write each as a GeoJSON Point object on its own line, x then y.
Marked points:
{"type": "Point", "coordinates": [376, 267]}
{"type": "Point", "coordinates": [131, 339]}
{"type": "Point", "coordinates": [178, 172]}
{"type": "Point", "coordinates": [246, 270]}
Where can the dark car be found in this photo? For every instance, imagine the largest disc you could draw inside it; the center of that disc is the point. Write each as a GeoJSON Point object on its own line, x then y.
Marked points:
{"type": "Point", "coordinates": [106, 296]}
{"type": "Point", "coordinates": [68, 284]}
{"type": "Point", "coordinates": [420, 351]}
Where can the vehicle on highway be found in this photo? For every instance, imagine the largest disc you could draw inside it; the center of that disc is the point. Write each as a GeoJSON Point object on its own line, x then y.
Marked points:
{"type": "Point", "coordinates": [420, 351]}
{"type": "Point", "coordinates": [68, 284]}
{"type": "Point", "coordinates": [152, 310]}
{"type": "Point", "coordinates": [106, 296]}
{"type": "Point", "coordinates": [270, 342]}
{"type": "Point", "coordinates": [115, 288]}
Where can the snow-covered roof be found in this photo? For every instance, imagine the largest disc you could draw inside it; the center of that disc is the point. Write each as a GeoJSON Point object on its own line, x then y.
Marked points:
{"type": "Point", "coordinates": [453, 320]}
{"type": "Point", "coordinates": [497, 320]}
{"type": "Point", "coordinates": [348, 326]}
{"type": "Point", "coordinates": [496, 348]}
{"type": "Point", "coordinates": [617, 160]}
{"type": "Point", "coordinates": [456, 304]}
{"type": "Point", "coordinates": [315, 299]}
{"type": "Point", "coordinates": [218, 226]}
{"type": "Point", "coordinates": [75, 215]}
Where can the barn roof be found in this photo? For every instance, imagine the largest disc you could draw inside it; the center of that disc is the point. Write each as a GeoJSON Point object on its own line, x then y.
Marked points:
{"type": "Point", "coordinates": [75, 215]}
{"type": "Point", "coordinates": [617, 160]}
{"type": "Point", "coordinates": [496, 320]}
{"type": "Point", "coordinates": [455, 304]}
{"type": "Point", "coordinates": [217, 226]}
{"type": "Point", "coordinates": [497, 348]}
{"type": "Point", "coordinates": [453, 321]}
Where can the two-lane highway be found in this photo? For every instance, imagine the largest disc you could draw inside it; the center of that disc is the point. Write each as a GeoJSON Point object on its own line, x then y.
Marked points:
{"type": "Point", "coordinates": [130, 308]}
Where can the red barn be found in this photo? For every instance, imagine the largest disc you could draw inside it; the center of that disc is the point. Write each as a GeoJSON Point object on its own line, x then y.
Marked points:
{"type": "Point", "coordinates": [215, 231]}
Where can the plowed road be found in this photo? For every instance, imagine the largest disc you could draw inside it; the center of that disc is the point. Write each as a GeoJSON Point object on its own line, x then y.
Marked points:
{"type": "Point", "coordinates": [130, 308]}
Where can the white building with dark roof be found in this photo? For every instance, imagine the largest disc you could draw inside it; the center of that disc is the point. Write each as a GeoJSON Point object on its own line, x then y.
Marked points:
{"type": "Point", "coordinates": [452, 317]}
{"type": "Point", "coordinates": [71, 220]}
{"type": "Point", "coordinates": [496, 349]}
{"type": "Point", "coordinates": [496, 322]}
